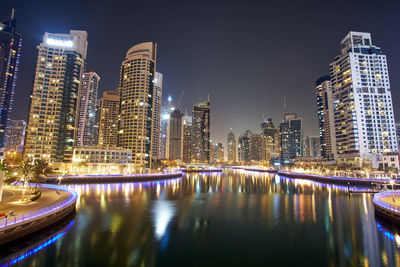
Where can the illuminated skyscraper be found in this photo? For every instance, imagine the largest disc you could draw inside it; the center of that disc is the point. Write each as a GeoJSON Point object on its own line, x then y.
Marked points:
{"type": "Point", "coordinates": [312, 146]}
{"type": "Point", "coordinates": [201, 132]}
{"type": "Point", "coordinates": [244, 147]}
{"type": "Point", "coordinates": [175, 135]}
{"type": "Point", "coordinates": [87, 109]}
{"type": "Point", "coordinates": [166, 111]}
{"type": "Point", "coordinates": [187, 139]}
{"type": "Point", "coordinates": [156, 149]}
{"type": "Point", "coordinates": [137, 92]}
{"type": "Point", "coordinates": [291, 138]}
{"type": "Point", "coordinates": [10, 49]}
{"type": "Point", "coordinates": [52, 124]}
{"type": "Point", "coordinates": [271, 135]}
{"type": "Point", "coordinates": [15, 135]}
{"type": "Point", "coordinates": [362, 101]}
{"type": "Point", "coordinates": [257, 147]}
{"type": "Point", "coordinates": [108, 124]}
{"type": "Point", "coordinates": [232, 149]}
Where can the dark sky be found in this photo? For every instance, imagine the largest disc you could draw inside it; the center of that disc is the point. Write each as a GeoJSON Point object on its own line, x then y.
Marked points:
{"type": "Point", "coordinates": [247, 55]}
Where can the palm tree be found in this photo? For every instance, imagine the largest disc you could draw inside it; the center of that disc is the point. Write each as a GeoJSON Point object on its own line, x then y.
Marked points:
{"type": "Point", "coordinates": [41, 169]}
{"type": "Point", "coordinates": [25, 169]}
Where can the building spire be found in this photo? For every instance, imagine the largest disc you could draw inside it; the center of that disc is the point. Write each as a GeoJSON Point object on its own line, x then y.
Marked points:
{"type": "Point", "coordinates": [12, 14]}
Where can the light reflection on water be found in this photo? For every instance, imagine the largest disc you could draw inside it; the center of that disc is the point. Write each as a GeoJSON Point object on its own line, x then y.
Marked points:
{"type": "Point", "coordinates": [235, 217]}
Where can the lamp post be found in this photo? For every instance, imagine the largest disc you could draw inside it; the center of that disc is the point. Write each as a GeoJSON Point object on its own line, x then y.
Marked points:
{"type": "Point", "coordinates": [392, 183]}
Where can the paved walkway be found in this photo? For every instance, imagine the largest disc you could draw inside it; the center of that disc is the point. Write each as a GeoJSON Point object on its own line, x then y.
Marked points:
{"type": "Point", "coordinates": [12, 197]}
{"type": "Point", "coordinates": [389, 200]}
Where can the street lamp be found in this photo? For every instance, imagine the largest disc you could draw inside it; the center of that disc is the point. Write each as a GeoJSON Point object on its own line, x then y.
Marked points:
{"type": "Point", "coordinates": [392, 183]}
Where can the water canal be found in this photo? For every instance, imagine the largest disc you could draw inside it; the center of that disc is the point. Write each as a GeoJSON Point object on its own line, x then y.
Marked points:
{"type": "Point", "coordinates": [216, 219]}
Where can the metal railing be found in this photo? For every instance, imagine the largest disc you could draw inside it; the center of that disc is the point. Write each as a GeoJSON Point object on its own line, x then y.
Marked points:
{"type": "Point", "coordinates": [384, 204]}
{"type": "Point", "coordinates": [31, 215]}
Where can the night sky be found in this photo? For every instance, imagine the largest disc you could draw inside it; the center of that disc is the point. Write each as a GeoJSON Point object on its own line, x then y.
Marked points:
{"type": "Point", "coordinates": [247, 55]}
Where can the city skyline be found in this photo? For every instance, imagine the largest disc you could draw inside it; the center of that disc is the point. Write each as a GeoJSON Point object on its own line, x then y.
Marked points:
{"type": "Point", "coordinates": [253, 98]}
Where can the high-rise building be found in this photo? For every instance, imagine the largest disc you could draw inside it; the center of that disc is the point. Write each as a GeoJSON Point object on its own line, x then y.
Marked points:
{"type": "Point", "coordinates": [187, 139]}
{"type": "Point", "coordinates": [15, 135]}
{"type": "Point", "coordinates": [10, 51]}
{"type": "Point", "coordinates": [362, 101]}
{"type": "Point", "coordinates": [137, 92]}
{"type": "Point", "coordinates": [232, 149]}
{"type": "Point", "coordinates": [52, 124]}
{"type": "Point", "coordinates": [175, 135]}
{"type": "Point", "coordinates": [201, 132]}
{"type": "Point", "coordinates": [218, 153]}
{"type": "Point", "coordinates": [397, 126]}
{"type": "Point", "coordinates": [312, 146]}
{"type": "Point", "coordinates": [87, 109]}
{"type": "Point", "coordinates": [257, 147]}
{"type": "Point", "coordinates": [156, 149]}
{"type": "Point", "coordinates": [291, 138]}
{"type": "Point", "coordinates": [326, 121]}
{"type": "Point", "coordinates": [271, 135]}
{"type": "Point", "coordinates": [108, 124]}
{"type": "Point", "coordinates": [96, 125]}
{"type": "Point", "coordinates": [244, 147]}
{"type": "Point", "coordinates": [166, 111]}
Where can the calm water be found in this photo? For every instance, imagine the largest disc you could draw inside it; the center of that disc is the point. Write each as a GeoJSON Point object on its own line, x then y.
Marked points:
{"type": "Point", "coordinates": [233, 218]}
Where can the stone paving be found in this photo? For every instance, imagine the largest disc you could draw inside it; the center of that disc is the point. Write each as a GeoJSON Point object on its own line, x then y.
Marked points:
{"type": "Point", "coordinates": [389, 200]}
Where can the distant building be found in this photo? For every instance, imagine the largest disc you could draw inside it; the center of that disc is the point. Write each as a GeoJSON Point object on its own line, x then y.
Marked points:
{"type": "Point", "coordinates": [15, 135]}
{"type": "Point", "coordinates": [137, 93]}
{"type": "Point", "coordinates": [312, 146]}
{"type": "Point", "coordinates": [166, 111]}
{"type": "Point", "coordinates": [187, 139]}
{"type": "Point", "coordinates": [291, 139]}
{"type": "Point", "coordinates": [96, 126]}
{"type": "Point", "coordinates": [175, 136]}
{"type": "Point", "coordinates": [156, 149]}
{"type": "Point", "coordinates": [232, 148]}
{"type": "Point", "coordinates": [10, 52]}
{"type": "Point", "coordinates": [87, 109]}
{"type": "Point", "coordinates": [219, 153]}
{"type": "Point", "coordinates": [326, 121]}
{"type": "Point", "coordinates": [95, 154]}
{"type": "Point", "coordinates": [362, 101]}
{"type": "Point", "coordinates": [201, 132]}
{"type": "Point", "coordinates": [257, 148]}
{"type": "Point", "coordinates": [108, 125]}
{"type": "Point", "coordinates": [51, 130]}
{"type": "Point", "coordinates": [271, 136]}
{"type": "Point", "coordinates": [244, 147]}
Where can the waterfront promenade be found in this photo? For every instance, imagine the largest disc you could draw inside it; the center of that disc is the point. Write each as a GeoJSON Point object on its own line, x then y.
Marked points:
{"type": "Point", "coordinates": [387, 204]}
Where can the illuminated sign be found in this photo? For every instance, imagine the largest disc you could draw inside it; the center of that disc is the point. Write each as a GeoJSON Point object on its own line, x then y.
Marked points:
{"type": "Point", "coordinates": [60, 42]}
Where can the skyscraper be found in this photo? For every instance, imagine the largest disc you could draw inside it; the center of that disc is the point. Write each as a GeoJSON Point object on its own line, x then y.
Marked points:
{"type": "Point", "coordinates": [218, 153]}
{"type": "Point", "coordinates": [244, 147]}
{"type": "Point", "coordinates": [232, 149]}
{"type": "Point", "coordinates": [96, 125]}
{"type": "Point", "coordinates": [108, 125]}
{"type": "Point", "coordinates": [201, 132]}
{"type": "Point", "coordinates": [137, 92]}
{"type": "Point", "coordinates": [271, 135]}
{"type": "Point", "coordinates": [362, 101]}
{"type": "Point", "coordinates": [291, 138]}
{"type": "Point", "coordinates": [10, 51]}
{"type": "Point", "coordinates": [257, 147]}
{"type": "Point", "coordinates": [87, 109]}
{"type": "Point", "coordinates": [166, 111]}
{"type": "Point", "coordinates": [175, 135]}
{"type": "Point", "coordinates": [156, 149]}
{"type": "Point", "coordinates": [326, 121]}
{"type": "Point", "coordinates": [52, 124]}
{"type": "Point", "coordinates": [312, 146]}
{"type": "Point", "coordinates": [187, 139]}
{"type": "Point", "coordinates": [15, 135]}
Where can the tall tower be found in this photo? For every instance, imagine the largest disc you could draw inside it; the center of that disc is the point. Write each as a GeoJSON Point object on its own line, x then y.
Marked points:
{"type": "Point", "coordinates": [166, 111]}
{"type": "Point", "coordinates": [157, 115]}
{"type": "Point", "coordinates": [52, 123]}
{"type": "Point", "coordinates": [244, 147]}
{"type": "Point", "coordinates": [108, 124]}
{"type": "Point", "coordinates": [232, 149]}
{"type": "Point", "coordinates": [15, 135]}
{"type": "Point", "coordinates": [175, 135]}
{"type": "Point", "coordinates": [326, 121]}
{"type": "Point", "coordinates": [271, 135]}
{"type": "Point", "coordinates": [10, 51]}
{"type": "Point", "coordinates": [362, 101]}
{"type": "Point", "coordinates": [201, 132]}
{"type": "Point", "coordinates": [291, 138]}
{"type": "Point", "coordinates": [87, 109]}
{"type": "Point", "coordinates": [137, 90]}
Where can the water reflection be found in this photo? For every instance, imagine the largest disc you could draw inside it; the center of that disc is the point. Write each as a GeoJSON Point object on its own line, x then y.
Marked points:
{"type": "Point", "coordinates": [234, 217]}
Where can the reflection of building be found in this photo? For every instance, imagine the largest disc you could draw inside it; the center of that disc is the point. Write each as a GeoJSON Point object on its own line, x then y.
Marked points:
{"type": "Point", "coordinates": [137, 91]}
{"type": "Point", "coordinates": [362, 101]}
{"type": "Point", "coordinates": [10, 49]}
{"type": "Point", "coordinates": [271, 135]}
{"type": "Point", "coordinates": [15, 134]}
{"type": "Point", "coordinates": [157, 115]}
{"type": "Point", "coordinates": [175, 135]}
{"type": "Point", "coordinates": [244, 147]}
{"type": "Point", "coordinates": [108, 125]}
{"type": "Point", "coordinates": [87, 109]}
{"type": "Point", "coordinates": [52, 123]}
{"type": "Point", "coordinates": [312, 146]}
{"type": "Point", "coordinates": [94, 154]}
{"type": "Point", "coordinates": [290, 138]}
{"type": "Point", "coordinates": [232, 149]}
{"type": "Point", "coordinates": [187, 139]}
{"type": "Point", "coordinates": [326, 117]}
{"type": "Point", "coordinates": [201, 132]}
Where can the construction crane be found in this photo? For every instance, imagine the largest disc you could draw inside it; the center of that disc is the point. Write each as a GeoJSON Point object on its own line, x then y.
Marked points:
{"type": "Point", "coordinates": [179, 100]}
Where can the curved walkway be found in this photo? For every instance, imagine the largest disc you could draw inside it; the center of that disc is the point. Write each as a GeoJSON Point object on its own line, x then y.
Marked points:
{"type": "Point", "coordinates": [387, 204]}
